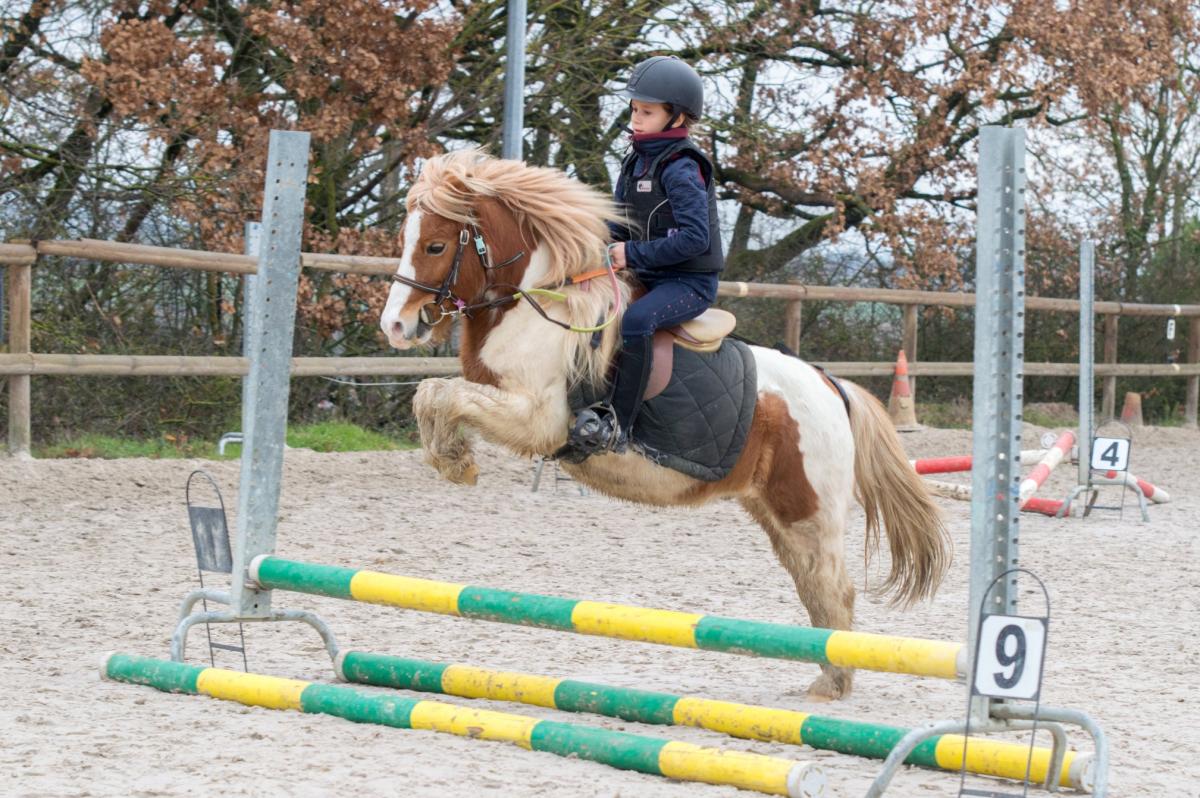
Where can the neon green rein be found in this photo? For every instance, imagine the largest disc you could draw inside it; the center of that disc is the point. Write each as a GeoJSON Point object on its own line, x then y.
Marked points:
{"type": "Point", "coordinates": [563, 298]}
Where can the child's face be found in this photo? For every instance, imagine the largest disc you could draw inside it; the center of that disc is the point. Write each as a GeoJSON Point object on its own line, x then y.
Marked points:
{"type": "Point", "coordinates": [648, 117]}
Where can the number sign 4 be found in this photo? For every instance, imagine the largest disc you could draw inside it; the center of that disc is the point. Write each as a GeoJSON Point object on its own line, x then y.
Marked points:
{"type": "Point", "coordinates": [1009, 663]}
{"type": "Point", "coordinates": [1110, 454]}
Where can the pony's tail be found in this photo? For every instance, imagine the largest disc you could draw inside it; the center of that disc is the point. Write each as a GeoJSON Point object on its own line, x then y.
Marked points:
{"type": "Point", "coordinates": [894, 495]}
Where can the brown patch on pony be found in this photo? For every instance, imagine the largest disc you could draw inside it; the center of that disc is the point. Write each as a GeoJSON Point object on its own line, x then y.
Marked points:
{"type": "Point", "coordinates": [787, 490]}
{"type": "Point", "coordinates": [475, 332]}
{"type": "Point", "coordinates": [771, 466]}
{"type": "Point", "coordinates": [505, 238]}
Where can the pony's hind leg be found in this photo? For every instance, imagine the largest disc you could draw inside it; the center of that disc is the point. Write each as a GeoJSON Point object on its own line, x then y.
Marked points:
{"type": "Point", "coordinates": [812, 552]}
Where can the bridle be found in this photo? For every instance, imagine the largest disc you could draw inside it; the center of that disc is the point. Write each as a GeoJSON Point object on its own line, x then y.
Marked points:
{"type": "Point", "coordinates": [444, 302]}
{"type": "Point", "coordinates": [446, 305]}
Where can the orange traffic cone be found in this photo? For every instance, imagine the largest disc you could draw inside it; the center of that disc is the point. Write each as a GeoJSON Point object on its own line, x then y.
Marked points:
{"type": "Point", "coordinates": [1131, 412]}
{"type": "Point", "coordinates": [901, 407]}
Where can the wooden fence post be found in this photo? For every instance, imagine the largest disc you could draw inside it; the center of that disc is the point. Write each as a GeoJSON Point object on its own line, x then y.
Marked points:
{"type": "Point", "coordinates": [910, 344]}
{"type": "Point", "coordinates": [20, 290]}
{"type": "Point", "coordinates": [1193, 383]}
{"type": "Point", "coordinates": [791, 326]}
{"type": "Point", "coordinates": [1108, 400]}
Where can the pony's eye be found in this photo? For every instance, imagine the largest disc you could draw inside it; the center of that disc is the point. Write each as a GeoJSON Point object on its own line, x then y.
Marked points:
{"type": "Point", "coordinates": [435, 249]}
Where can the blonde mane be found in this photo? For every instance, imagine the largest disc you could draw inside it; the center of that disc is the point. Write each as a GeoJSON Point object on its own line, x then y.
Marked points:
{"type": "Point", "coordinates": [586, 305]}
{"type": "Point", "coordinates": [566, 217]}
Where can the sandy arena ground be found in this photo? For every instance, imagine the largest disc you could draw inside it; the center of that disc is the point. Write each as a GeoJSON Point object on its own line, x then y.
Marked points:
{"type": "Point", "coordinates": [95, 555]}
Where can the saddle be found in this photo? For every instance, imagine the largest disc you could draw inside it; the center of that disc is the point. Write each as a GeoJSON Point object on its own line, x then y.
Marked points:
{"type": "Point", "coordinates": [699, 400]}
{"type": "Point", "coordinates": [705, 333]}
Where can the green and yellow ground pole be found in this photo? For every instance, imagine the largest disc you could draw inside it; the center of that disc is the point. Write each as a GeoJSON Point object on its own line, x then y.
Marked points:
{"type": "Point", "coordinates": [983, 756]}
{"type": "Point", "coordinates": [687, 630]}
{"type": "Point", "coordinates": [674, 760]}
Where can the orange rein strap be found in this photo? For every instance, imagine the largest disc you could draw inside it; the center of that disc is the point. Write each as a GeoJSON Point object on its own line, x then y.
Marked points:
{"type": "Point", "coordinates": [592, 275]}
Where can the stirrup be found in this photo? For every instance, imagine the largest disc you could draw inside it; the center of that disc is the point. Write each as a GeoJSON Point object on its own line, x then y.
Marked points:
{"type": "Point", "coordinates": [594, 430]}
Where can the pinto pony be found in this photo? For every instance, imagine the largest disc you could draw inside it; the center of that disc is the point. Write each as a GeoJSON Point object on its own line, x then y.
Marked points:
{"type": "Point", "coordinates": [512, 251]}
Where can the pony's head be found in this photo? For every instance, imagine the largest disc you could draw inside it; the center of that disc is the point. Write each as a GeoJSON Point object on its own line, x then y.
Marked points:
{"type": "Point", "coordinates": [479, 227]}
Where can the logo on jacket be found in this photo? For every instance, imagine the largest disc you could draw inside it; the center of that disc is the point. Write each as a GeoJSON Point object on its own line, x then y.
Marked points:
{"type": "Point", "coordinates": [645, 185]}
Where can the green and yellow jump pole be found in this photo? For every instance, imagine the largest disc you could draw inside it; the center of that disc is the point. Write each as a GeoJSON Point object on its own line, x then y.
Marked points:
{"type": "Point", "coordinates": [675, 760]}
{"type": "Point", "coordinates": [983, 756]}
{"type": "Point", "coordinates": [665, 627]}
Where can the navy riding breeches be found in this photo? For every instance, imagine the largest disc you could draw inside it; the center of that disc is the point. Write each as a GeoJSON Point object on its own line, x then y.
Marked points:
{"type": "Point", "coordinates": [665, 305]}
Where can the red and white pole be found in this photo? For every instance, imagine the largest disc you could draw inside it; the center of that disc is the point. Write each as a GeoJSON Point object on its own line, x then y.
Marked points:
{"type": "Point", "coordinates": [952, 490]}
{"type": "Point", "coordinates": [1150, 491]}
{"type": "Point", "coordinates": [949, 465]}
{"type": "Point", "coordinates": [1054, 455]}
{"type": "Point", "coordinates": [1044, 506]}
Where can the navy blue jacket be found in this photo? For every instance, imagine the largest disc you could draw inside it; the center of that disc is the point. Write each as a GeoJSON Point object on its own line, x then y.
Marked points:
{"type": "Point", "coordinates": [688, 195]}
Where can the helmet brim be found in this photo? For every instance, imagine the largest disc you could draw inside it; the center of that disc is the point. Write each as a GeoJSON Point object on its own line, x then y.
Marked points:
{"type": "Point", "coordinates": [629, 94]}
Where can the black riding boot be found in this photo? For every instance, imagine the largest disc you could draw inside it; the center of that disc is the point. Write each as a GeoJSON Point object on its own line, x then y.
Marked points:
{"type": "Point", "coordinates": [633, 372]}
{"type": "Point", "coordinates": [607, 426]}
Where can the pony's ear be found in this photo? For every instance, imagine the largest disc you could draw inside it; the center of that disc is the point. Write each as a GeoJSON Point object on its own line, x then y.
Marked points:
{"type": "Point", "coordinates": [495, 215]}
{"type": "Point", "coordinates": [457, 186]}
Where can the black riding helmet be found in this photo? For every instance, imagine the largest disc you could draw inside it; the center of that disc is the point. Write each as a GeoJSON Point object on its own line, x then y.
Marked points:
{"type": "Point", "coordinates": [666, 79]}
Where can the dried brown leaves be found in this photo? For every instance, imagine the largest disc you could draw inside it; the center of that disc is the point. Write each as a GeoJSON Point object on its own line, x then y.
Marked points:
{"type": "Point", "coordinates": [888, 99]}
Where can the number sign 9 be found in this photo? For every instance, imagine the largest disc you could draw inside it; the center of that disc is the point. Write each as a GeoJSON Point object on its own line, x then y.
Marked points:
{"type": "Point", "coordinates": [1009, 664]}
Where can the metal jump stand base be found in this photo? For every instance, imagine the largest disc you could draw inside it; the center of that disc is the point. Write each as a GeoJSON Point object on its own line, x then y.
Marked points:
{"type": "Point", "coordinates": [1065, 510]}
{"type": "Point", "coordinates": [188, 619]}
{"type": "Point", "coordinates": [228, 438]}
{"type": "Point", "coordinates": [271, 313]}
{"type": "Point", "coordinates": [1008, 718]}
{"type": "Point", "coordinates": [537, 477]}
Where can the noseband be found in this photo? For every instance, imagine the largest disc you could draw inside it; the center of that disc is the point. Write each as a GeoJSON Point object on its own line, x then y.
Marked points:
{"type": "Point", "coordinates": [444, 302]}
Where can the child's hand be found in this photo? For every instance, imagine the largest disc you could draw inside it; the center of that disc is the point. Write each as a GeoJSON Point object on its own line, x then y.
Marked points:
{"type": "Point", "coordinates": [617, 253]}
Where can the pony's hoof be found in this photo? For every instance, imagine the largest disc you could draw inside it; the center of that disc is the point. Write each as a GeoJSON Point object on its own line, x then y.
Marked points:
{"type": "Point", "coordinates": [471, 475]}
{"type": "Point", "coordinates": [462, 474]}
{"type": "Point", "coordinates": [829, 687]}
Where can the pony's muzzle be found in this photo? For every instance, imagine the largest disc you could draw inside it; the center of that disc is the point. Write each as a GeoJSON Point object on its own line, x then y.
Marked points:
{"type": "Point", "coordinates": [403, 335]}
{"type": "Point", "coordinates": [396, 332]}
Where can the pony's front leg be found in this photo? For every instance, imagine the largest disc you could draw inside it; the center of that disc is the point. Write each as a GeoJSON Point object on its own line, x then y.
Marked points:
{"type": "Point", "coordinates": [525, 422]}
{"type": "Point", "coordinates": [445, 442]}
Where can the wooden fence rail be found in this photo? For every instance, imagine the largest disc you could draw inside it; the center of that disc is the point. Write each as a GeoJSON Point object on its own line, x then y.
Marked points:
{"type": "Point", "coordinates": [192, 366]}
{"type": "Point", "coordinates": [200, 366]}
{"type": "Point", "coordinates": [20, 363]}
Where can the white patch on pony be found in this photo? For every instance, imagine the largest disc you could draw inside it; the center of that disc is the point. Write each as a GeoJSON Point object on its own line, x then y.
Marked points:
{"type": "Point", "coordinates": [536, 271]}
{"type": "Point", "coordinates": [826, 439]}
{"type": "Point", "coordinates": [412, 235]}
{"type": "Point", "coordinates": [525, 350]}
{"type": "Point", "coordinates": [399, 293]}
{"type": "Point", "coordinates": [526, 353]}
